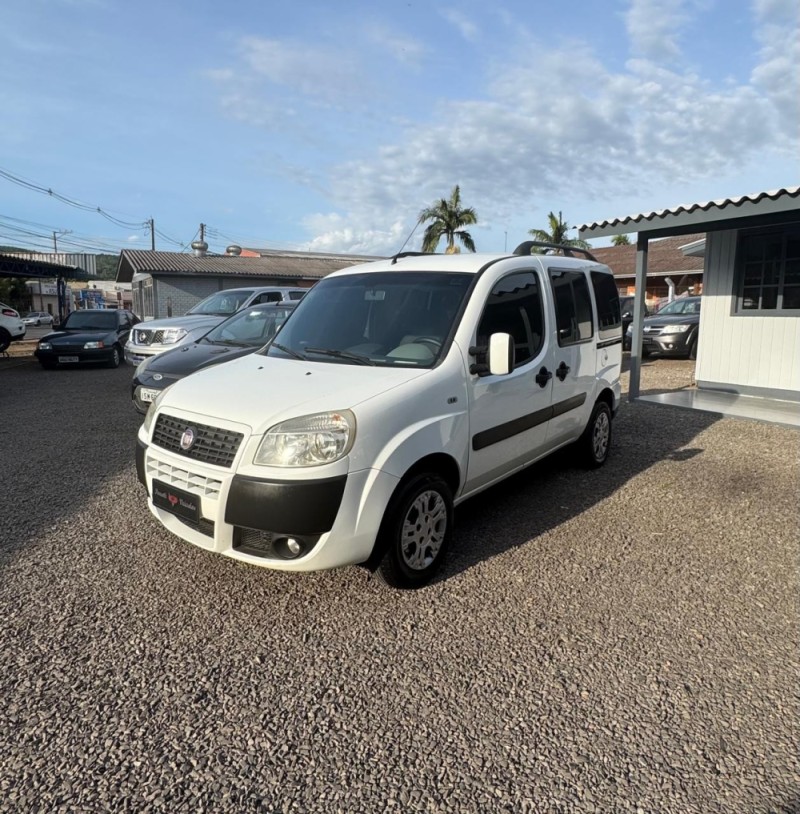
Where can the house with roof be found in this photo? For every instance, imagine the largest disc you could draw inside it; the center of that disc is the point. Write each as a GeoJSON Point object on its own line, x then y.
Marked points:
{"type": "Point", "coordinates": [166, 284]}
{"type": "Point", "coordinates": [748, 360]}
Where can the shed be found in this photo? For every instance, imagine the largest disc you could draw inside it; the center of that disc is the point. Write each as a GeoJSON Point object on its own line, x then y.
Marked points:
{"type": "Point", "coordinates": [748, 359]}
{"type": "Point", "coordinates": [170, 283]}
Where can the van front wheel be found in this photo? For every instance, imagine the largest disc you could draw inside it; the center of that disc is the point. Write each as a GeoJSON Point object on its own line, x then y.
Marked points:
{"type": "Point", "coordinates": [416, 532]}
{"type": "Point", "coordinates": [596, 439]}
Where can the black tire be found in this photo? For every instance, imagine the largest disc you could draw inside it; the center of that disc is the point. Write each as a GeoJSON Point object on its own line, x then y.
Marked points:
{"type": "Point", "coordinates": [416, 532]}
{"type": "Point", "coordinates": [38, 322]}
{"type": "Point", "coordinates": [693, 349]}
{"type": "Point", "coordinates": [115, 357]}
{"type": "Point", "coordinates": [5, 339]}
{"type": "Point", "coordinates": [595, 442]}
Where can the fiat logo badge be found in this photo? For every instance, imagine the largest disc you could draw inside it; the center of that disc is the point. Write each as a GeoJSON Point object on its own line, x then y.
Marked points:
{"type": "Point", "coordinates": [188, 438]}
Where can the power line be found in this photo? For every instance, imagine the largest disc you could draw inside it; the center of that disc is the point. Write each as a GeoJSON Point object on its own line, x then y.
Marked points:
{"type": "Point", "coordinates": [25, 184]}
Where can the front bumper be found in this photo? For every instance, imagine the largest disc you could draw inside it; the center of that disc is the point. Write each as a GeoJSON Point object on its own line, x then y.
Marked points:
{"type": "Point", "coordinates": [334, 520]}
{"type": "Point", "coordinates": [135, 354]}
{"type": "Point", "coordinates": [667, 344]}
{"type": "Point", "coordinates": [77, 357]}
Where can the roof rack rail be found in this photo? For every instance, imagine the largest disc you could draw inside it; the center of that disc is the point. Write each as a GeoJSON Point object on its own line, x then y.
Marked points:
{"type": "Point", "coordinates": [525, 249]}
{"type": "Point", "coordinates": [409, 254]}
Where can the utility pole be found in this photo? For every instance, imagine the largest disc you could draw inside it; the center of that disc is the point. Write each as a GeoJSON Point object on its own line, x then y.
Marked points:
{"type": "Point", "coordinates": [152, 234]}
{"type": "Point", "coordinates": [202, 232]}
{"type": "Point", "coordinates": [55, 244]}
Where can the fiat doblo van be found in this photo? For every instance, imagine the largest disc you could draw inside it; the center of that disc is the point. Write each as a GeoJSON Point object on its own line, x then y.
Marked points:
{"type": "Point", "coordinates": [396, 390]}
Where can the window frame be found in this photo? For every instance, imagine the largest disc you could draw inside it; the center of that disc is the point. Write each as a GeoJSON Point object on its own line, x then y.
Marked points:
{"type": "Point", "coordinates": [792, 232]}
{"type": "Point", "coordinates": [578, 273]}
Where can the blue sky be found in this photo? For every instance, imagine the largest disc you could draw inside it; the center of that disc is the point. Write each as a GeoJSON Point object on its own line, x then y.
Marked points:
{"type": "Point", "coordinates": [328, 126]}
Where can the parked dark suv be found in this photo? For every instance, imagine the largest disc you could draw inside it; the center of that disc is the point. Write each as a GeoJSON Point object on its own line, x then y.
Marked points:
{"type": "Point", "coordinates": [626, 309]}
{"type": "Point", "coordinates": [673, 330]}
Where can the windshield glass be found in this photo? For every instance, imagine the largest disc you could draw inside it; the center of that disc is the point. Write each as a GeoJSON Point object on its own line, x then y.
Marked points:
{"type": "Point", "coordinates": [385, 318]}
{"type": "Point", "coordinates": [681, 307]}
{"type": "Point", "coordinates": [91, 320]}
{"type": "Point", "coordinates": [253, 327]}
{"type": "Point", "coordinates": [223, 303]}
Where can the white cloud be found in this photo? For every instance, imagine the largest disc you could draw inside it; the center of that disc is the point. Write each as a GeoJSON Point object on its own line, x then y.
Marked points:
{"type": "Point", "coordinates": [403, 49]}
{"type": "Point", "coordinates": [466, 27]}
{"type": "Point", "coordinates": [654, 27]}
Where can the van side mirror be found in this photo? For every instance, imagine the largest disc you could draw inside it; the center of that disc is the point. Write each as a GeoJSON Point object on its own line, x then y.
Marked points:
{"type": "Point", "coordinates": [501, 354]}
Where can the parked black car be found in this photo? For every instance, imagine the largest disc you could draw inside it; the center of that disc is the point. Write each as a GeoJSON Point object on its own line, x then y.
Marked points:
{"type": "Point", "coordinates": [245, 332]}
{"type": "Point", "coordinates": [673, 330]}
{"type": "Point", "coordinates": [626, 309]}
{"type": "Point", "coordinates": [87, 337]}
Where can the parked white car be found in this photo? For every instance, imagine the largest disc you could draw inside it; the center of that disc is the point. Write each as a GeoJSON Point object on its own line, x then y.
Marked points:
{"type": "Point", "coordinates": [396, 390]}
{"type": "Point", "coordinates": [37, 318]}
{"type": "Point", "coordinates": [156, 336]}
{"type": "Point", "coordinates": [12, 328]}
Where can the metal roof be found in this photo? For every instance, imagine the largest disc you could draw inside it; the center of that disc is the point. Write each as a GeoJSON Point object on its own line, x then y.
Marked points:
{"type": "Point", "coordinates": [15, 266]}
{"type": "Point", "coordinates": [286, 265]}
{"type": "Point", "coordinates": [698, 217]}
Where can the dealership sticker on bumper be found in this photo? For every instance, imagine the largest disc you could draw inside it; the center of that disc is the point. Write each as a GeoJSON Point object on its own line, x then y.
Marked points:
{"type": "Point", "coordinates": [176, 501]}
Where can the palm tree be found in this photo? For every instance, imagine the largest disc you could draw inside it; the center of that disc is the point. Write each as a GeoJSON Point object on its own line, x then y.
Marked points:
{"type": "Point", "coordinates": [447, 219]}
{"type": "Point", "coordinates": [620, 240]}
{"type": "Point", "coordinates": [557, 234]}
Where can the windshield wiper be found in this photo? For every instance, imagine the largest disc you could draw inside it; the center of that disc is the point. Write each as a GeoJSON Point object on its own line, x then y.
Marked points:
{"type": "Point", "coordinates": [289, 351]}
{"type": "Point", "coordinates": [342, 354]}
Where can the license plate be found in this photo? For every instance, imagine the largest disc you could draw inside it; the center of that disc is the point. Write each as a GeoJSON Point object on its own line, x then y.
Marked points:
{"type": "Point", "coordinates": [148, 394]}
{"type": "Point", "coordinates": [176, 501]}
{"type": "Point", "coordinates": [64, 359]}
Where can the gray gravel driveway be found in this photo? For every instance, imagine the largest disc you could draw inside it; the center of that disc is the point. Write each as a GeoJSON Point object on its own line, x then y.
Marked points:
{"type": "Point", "coordinates": [623, 640]}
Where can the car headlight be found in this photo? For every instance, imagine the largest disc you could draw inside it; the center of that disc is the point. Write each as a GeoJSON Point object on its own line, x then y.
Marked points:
{"type": "Point", "coordinates": [45, 346]}
{"type": "Point", "coordinates": [93, 345]}
{"type": "Point", "coordinates": [629, 330]}
{"type": "Point", "coordinates": [173, 335]}
{"type": "Point", "coordinates": [310, 440]}
{"type": "Point", "coordinates": [675, 329]}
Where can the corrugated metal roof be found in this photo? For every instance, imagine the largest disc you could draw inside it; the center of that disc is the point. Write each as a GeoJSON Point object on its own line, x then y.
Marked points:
{"type": "Point", "coordinates": [288, 265]}
{"type": "Point", "coordinates": [697, 213]}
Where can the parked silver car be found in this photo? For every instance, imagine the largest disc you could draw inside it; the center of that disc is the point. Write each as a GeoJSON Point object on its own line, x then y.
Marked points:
{"type": "Point", "coordinates": [151, 338]}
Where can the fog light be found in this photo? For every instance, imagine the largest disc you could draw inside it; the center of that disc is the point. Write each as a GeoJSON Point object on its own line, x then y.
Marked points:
{"type": "Point", "coordinates": [288, 547]}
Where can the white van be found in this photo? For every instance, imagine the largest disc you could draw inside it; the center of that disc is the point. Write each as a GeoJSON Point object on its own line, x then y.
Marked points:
{"type": "Point", "coordinates": [159, 335]}
{"type": "Point", "coordinates": [396, 390]}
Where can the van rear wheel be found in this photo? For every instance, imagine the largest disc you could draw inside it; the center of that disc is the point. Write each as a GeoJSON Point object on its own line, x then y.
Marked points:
{"type": "Point", "coordinates": [416, 532]}
{"type": "Point", "coordinates": [595, 442]}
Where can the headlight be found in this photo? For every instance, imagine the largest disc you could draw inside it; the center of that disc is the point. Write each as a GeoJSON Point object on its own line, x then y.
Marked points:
{"type": "Point", "coordinates": [311, 440]}
{"type": "Point", "coordinates": [629, 329]}
{"type": "Point", "coordinates": [93, 345]}
{"type": "Point", "coordinates": [45, 346]}
{"type": "Point", "coordinates": [173, 335]}
{"type": "Point", "coordinates": [675, 329]}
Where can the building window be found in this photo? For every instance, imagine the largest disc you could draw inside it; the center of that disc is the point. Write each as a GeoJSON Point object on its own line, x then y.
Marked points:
{"type": "Point", "coordinates": [768, 279]}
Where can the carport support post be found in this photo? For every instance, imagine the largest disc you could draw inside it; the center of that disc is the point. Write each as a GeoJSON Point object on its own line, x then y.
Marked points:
{"type": "Point", "coordinates": [638, 316]}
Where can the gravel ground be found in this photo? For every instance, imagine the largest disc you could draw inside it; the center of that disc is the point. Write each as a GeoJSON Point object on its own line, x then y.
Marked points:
{"type": "Point", "coordinates": [623, 640]}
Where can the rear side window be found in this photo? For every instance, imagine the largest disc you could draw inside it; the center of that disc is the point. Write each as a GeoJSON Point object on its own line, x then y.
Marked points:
{"type": "Point", "coordinates": [573, 306]}
{"type": "Point", "coordinates": [609, 318]}
{"type": "Point", "coordinates": [296, 295]}
{"type": "Point", "coordinates": [267, 296]}
{"type": "Point", "coordinates": [515, 307]}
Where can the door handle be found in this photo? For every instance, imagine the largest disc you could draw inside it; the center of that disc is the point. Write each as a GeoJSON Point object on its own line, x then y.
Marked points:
{"type": "Point", "coordinates": [562, 370]}
{"type": "Point", "coordinates": [543, 377]}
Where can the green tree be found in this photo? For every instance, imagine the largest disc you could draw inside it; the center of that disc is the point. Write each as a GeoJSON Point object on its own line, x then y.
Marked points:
{"type": "Point", "coordinates": [620, 240]}
{"type": "Point", "coordinates": [559, 230]}
{"type": "Point", "coordinates": [447, 220]}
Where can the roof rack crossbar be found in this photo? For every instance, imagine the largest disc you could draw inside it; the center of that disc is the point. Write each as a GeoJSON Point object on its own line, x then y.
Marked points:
{"type": "Point", "coordinates": [524, 249]}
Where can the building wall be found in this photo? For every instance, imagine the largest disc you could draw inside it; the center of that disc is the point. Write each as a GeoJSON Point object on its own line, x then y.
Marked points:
{"type": "Point", "coordinates": [748, 354]}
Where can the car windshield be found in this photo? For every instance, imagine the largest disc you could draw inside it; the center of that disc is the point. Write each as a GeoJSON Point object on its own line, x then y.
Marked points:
{"type": "Point", "coordinates": [387, 319]}
{"type": "Point", "coordinates": [685, 306]}
{"type": "Point", "coordinates": [223, 303]}
{"type": "Point", "coordinates": [91, 320]}
{"type": "Point", "coordinates": [252, 327]}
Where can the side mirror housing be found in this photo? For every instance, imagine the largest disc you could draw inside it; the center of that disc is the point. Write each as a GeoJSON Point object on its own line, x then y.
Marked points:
{"type": "Point", "coordinates": [501, 354]}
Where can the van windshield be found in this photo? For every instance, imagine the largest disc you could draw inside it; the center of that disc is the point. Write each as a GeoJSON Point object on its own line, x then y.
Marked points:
{"type": "Point", "coordinates": [379, 318]}
{"type": "Point", "coordinates": [223, 303]}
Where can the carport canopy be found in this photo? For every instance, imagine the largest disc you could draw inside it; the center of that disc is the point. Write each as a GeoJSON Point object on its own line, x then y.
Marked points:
{"type": "Point", "coordinates": [748, 211]}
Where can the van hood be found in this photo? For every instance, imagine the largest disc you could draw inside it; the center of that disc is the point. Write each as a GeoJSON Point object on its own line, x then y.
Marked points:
{"type": "Point", "coordinates": [259, 390]}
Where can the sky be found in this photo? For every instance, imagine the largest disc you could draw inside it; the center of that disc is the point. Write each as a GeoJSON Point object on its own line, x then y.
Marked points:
{"type": "Point", "coordinates": [328, 125]}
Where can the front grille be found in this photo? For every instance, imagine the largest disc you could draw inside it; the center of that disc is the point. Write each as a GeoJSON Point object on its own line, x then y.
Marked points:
{"type": "Point", "coordinates": [204, 526]}
{"type": "Point", "coordinates": [253, 541]}
{"type": "Point", "coordinates": [211, 445]}
{"type": "Point", "coordinates": [183, 479]}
